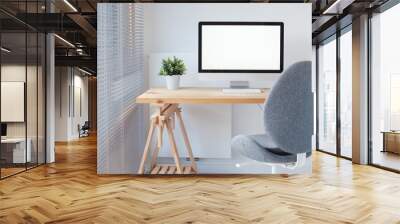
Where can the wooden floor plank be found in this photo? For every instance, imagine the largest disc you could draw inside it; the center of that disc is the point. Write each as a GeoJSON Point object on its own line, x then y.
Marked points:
{"type": "Point", "coordinates": [70, 191]}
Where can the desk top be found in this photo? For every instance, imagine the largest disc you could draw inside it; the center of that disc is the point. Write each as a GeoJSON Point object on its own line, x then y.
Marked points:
{"type": "Point", "coordinates": [197, 95]}
{"type": "Point", "coordinates": [391, 132]}
{"type": "Point", "coordinates": [13, 140]}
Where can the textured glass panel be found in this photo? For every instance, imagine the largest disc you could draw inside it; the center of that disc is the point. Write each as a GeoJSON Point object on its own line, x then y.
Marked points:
{"type": "Point", "coordinates": [120, 80]}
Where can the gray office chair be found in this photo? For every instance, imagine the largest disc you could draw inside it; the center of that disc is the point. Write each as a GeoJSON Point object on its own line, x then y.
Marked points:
{"type": "Point", "coordinates": [288, 122]}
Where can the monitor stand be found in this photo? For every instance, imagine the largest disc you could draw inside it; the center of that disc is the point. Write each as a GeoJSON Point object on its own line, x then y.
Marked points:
{"type": "Point", "coordinates": [240, 87]}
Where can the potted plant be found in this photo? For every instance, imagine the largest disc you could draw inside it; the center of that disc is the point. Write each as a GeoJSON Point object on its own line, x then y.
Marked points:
{"type": "Point", "coordinates": [172, 69]}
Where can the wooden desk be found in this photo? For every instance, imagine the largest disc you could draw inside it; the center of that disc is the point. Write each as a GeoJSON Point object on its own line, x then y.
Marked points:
{"type": "Point", "coordinates": [199, 96]}
{"type": "Point", "coordinates": [168, 102]}
{"type": "Point", "coordinates": [16, 154]}
{"type": "Point", "coordinates": [391, 141]}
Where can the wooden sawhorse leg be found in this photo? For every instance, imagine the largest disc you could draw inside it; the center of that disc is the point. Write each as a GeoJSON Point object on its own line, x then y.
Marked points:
{"type": "Point", "coordinates": [186, 140]}
{"type": "Point", "coordinates": [165, 119]}
{"type": "Point", "coordinates": [161, 126]}
{"type": "Point", "coordinates": [147, 146]}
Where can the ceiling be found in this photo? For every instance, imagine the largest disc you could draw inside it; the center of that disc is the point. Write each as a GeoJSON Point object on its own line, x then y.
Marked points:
{"type": "Point", "coordinates": [75, 21]}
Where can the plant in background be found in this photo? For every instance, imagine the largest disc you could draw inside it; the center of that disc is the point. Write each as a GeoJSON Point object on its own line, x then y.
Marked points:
{"type": "Point", "coordinates": [174, 66]}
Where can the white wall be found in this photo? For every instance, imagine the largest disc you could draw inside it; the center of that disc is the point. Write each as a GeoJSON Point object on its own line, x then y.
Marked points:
{"type": "Point", "coordinates": [17, 73]}
{"type": "Point", "coordinates": [33, 126]}
{"type": "Point", "coordinates": [66, 119]}
{"type": "Point", "coordinates": [61, 103]}
{"type": "Point", "coordinates": [12, 73]}
{"type": "Point", "coordinates": [81, 114]}
{"type": "Point", "coordinates": [172, 29]}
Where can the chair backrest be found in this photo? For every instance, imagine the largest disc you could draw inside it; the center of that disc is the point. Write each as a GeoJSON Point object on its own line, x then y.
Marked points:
{"type": "Point", "coordinates": [288, 112]}
{"type": "Point", "coordinates": [86, 125]}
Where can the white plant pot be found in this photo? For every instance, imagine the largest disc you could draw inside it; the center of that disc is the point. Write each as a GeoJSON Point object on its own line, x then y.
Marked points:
{"type": "Point", "coordinates": [173, 81]}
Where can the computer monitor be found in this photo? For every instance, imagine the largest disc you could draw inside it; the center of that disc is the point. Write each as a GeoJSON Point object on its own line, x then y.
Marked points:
{"type": "Point", "coordinates": [3, 130]}
{"type": "Point", "coordinates": [240, 47]}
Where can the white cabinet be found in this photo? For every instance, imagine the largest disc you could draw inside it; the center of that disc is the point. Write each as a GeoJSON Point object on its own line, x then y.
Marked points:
{"type": "Point", "coordinates": [19, 155]}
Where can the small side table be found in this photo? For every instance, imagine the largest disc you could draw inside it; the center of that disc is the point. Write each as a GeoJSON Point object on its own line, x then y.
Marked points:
{"type": "Point", "coordinates": [391, 141]}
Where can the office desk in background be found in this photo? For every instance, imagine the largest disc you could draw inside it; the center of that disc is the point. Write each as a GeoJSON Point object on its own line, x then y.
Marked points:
{"type": "Point", "coordinates": [391, 141]}
{"type": "Point", "coordinates": [168, 102]}
{"type": "Point", "coordinates": [13, 150]}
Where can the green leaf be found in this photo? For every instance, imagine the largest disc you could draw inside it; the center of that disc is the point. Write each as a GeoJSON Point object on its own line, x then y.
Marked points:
{"type": "Point", "coordinates": [174, 66]}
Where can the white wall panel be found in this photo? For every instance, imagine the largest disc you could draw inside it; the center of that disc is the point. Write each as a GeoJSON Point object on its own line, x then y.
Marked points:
{"type": "Point", "coordinates": [13, 101]}
{"type": "Point", "coordinates": [173, 28]}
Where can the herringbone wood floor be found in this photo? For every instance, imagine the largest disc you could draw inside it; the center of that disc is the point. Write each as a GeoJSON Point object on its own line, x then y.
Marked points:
{"type": "Point", "coordinates": [69, 191]}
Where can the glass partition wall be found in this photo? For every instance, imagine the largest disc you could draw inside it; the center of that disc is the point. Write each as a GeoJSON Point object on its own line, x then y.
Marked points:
{"type": "Point", "coordinates": [346, 71]}
{"type": "Point", "coordinates": [13, 85]}
{"type": "Point", "coordinates": [334, 82]}
{"type": "Point", "coordinates": [385, 90]}
{"type": "Point", "coordinates": [327, 96]}
{"type": "Point", "coordinates": [22, 78]}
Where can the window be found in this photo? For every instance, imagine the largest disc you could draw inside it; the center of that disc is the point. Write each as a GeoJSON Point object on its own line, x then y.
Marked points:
{"type": "Point", "coordinates": [327, 97]}
{"type": "Point", "coordinates": [385, 89]}
{"type": "Point", "coordinates": [394, 102]}
{"type": "Point", "coordinates": [335, 94]}
{"type": "Point", "coordinates": [346, 93]}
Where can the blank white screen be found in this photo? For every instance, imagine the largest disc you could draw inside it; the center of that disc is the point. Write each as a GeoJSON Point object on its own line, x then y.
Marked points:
{"type": "Point", "coordinates": [12, 101]}
{"type": "Point", "coordinates": [240, 47]}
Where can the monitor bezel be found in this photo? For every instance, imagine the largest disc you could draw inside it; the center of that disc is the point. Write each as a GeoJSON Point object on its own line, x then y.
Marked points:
{"type": "Point", "coordinates": [211, 23]}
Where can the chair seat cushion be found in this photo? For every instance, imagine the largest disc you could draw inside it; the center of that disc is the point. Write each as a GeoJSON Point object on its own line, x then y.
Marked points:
{"type": "Point", "coordinates": [259, 148]}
